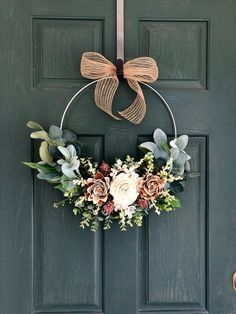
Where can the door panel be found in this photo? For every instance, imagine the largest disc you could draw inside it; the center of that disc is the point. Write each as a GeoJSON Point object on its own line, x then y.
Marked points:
{"type": "Point", "coordinates": [175, 278]}
{"type": "Point", "coordinates": [176, 263]}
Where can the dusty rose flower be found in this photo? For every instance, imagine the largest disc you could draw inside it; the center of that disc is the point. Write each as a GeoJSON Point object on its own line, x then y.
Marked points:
{"type": "Point", "coordinates": [97, 189]}
{"type": "Point", "coordinates": [124, 189]}
{"type": "Point", "coordinates": [143, 203]}
{"type": "Point", "coordinates": [151, 187]}
{"type": "Point", "coordinates": [108, 208]}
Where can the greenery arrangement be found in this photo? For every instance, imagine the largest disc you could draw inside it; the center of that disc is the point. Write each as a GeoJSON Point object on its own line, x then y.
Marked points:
{"type": "Point", "coordinates": [125, 191]}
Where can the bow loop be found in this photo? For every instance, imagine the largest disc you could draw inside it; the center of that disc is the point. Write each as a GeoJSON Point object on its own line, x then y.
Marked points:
{"type": "Point", "coordinates": [144, 69]}
{"type": "Point", "coordinates": [94, 66]}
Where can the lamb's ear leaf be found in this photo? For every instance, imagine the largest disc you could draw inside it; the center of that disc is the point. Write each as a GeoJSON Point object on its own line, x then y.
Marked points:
{"type": "Point", "coordinates": [44, 153]}
{"type": "Point", "coordinates": [40, 135]}
{"type": "Point", "coordinates": [34, 125]}
{"type": "Point", "coordinates": [187, 166]}
{"type": "Point", "coordinates": [149, 146]}
{"type": "Point", "coordinates": [181, 160]}
{"type": "Point", "coordinates": [174, 152]}
{"type": "Point", "coordinates": [65, 152]}
{"type": "Point", "coordinates": [159, 137]}
{"type": "Point", "coordinates": [182, 142]}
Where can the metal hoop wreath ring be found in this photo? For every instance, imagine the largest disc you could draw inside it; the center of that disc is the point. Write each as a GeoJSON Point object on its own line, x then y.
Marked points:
{"type": "Point", "coordinates": [150, 87]}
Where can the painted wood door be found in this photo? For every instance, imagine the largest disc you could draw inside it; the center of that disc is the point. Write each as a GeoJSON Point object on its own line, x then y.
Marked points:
{"type": "Point", "coordinates": [177, 263]}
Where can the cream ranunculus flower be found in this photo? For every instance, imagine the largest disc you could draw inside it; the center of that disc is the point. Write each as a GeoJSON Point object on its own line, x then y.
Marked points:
{"type": "Point", "coordinates": [124, 189]}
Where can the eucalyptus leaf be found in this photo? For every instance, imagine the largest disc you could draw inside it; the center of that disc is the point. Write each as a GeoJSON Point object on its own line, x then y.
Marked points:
{"type": "Point", "coordinates": [78, 147]}
{"type": "Point", "coordinates": [69, 136]}
{"type": "Point", "coordinates": [176, 187]}
{"type": "Point", "coordinates": [57, 142]}
{"type": "Point", "coordinates": [55, 132]}
{"type": "Point", "coordinates": [40, 135]}
{"type": "Point", "coordinates": [44, 153]}
{"type": "Point", "coordinates": [160, 162]}
{"type": "Point", "coordinates": [53, 151]}
{"type": "Point", "coordinates": [34, 125]}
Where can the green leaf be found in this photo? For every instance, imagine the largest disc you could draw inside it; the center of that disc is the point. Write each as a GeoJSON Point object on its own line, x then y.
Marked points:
{"type": "Point", "coordinates": [165, 147]}
{"type": "Point", "coordinates": [160, 162]}
{"type": "Point", "coordinates": [44, 167]}
{"type": "Point", "coordinates": [176, 187]}
{"type": "Point", "coordinates": [175, 203]}
{"type": "Point", "coordinates": [32, 165]}
{"type": "Point", "coordinates": [69, 136]}
{"type": "Point", "coordinates": [192, 174]}
{"type": "Point", "coordinates": [75, 211]}
{"type": "Point", "coordinates": [143, 150]}
{"type": "Point", "coordinates": [40, 135]}
{"type": "Point", "coordinates": [57, 142]}
{"type": "Point", "coordinates": [34, 125]}
{"type": "Point", "coordinates": [44, 153]}
{"type": "Point", "coordinates": [49, 176]}
{"type": "Point", "coordinates": [60, 188]}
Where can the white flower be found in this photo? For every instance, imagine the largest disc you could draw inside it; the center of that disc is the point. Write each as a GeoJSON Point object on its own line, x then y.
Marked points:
{"type": "Point", "coordinates": [119, 162]}
{"type": "Point", "coordinates": [129, 211]}
{"type": "Point", "coordinates": [124, 189]}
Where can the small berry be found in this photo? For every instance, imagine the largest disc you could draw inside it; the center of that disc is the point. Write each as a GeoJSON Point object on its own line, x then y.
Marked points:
{"type": "Point", "coordinates": [143, 203]}
{"type": "Point", "coordinates": [108, 208]}
{"type": "Point", "coordinates": [105, 169]}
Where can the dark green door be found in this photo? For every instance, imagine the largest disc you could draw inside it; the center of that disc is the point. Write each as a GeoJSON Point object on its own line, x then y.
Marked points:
{"type": "Point", "coordinates": [177, 263]}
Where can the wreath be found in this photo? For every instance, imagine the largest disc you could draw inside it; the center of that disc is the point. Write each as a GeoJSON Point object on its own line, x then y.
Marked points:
{"type": "Point", "coordinates": [127, 190]}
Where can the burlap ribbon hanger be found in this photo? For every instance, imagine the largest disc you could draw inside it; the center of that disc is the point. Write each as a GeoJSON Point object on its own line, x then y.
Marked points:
{"type": "Point", "coordinates": [144, 69]}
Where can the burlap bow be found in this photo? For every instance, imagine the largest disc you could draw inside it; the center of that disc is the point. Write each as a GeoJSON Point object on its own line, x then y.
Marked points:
{"type": "Point", "coordinates": [144, 69]}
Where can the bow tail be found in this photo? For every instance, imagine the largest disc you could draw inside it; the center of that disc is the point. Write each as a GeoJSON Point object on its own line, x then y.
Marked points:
{"type": "Point", "coordinates": [137, 110]}
{"type": "Point", "coordinates": [104, 94]}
